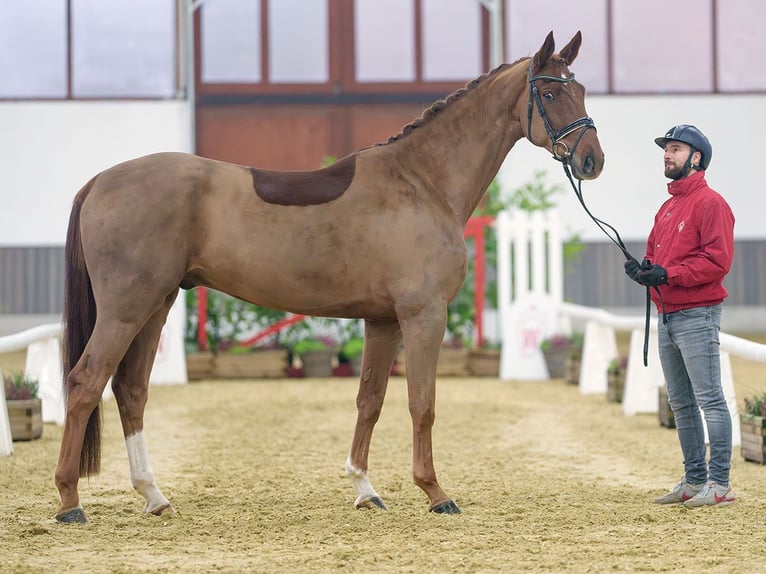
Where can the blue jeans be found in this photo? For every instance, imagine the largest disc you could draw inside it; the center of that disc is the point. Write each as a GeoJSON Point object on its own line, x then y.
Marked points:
{"type": "Point", "coordinates": [691, 363]}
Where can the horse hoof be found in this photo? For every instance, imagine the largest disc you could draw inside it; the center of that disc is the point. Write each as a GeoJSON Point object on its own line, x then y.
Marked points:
{"type": "Point", "coordinates": [371, 504]}
{"type": "Point", "coordinates": [446, 507]}
{"type": "Point", "coordinates": [75, 515]}
{"type": "Point", "coordinates": [164, 509]}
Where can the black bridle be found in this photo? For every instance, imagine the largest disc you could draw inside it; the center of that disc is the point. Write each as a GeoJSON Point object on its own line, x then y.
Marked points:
{"type": "Point", "coordinates": [582, 124]}
{"type": "Point", "coordinates": [555, 136]}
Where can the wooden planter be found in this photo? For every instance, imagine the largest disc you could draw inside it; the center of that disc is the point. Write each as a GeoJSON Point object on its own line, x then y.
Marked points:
{"type": "Point", "coordinates": [26, 418]}
{"type": "Point", "coordinates": [753, 432]}
{"type": "Point", "coordinates": [615, 385]}
{"type": "Point", "coordinates": [572, 370]}
{"type": "Point", "coordinates": [554, 361]}
{"type": "Point", "coordinates": [484, 362]}
{"type": "Point", "coordinates": [258, 364]}
{"type": "Point", "coordinates": [667, 419]}
{"type": "Point", "coordinates": [200, 366]}
{"type": "Point", "coordinates": [453, 362]}
{"type": "Point", "coordinates": [317, 364]}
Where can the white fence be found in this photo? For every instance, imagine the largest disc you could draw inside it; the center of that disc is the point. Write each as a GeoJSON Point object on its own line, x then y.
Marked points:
{"type": "Point", "coordinates": [530, 287]}
{"type": "Point", "coordinates": [43, 362]}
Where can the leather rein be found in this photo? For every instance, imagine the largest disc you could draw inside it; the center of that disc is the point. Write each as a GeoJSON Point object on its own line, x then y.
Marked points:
{"type": "Point", "coordinates": [582, 124]}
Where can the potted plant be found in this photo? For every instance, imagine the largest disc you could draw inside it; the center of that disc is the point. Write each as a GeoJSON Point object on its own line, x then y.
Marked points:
{"type": "Point", "coordinates": [615, 379]}
{"type": "Point", "coordinates": [573, 359]}
{"type": "Point", "coordinates": [664, 412]}
{"type": "Point", "coordinates": [229, 322]}
{"type": "Point", "coordinates": [316, 356]}
{"type": "Point", "coordinates": [556, 349]}
{"type": "Point", "coordinates": [24, 406]}
{"type": "Point", "coordinates": [752, 422]}
{"type": "Point", "coordinates": [313, 343]}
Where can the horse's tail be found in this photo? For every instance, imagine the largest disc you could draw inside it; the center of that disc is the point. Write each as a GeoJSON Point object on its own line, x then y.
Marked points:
{"type": "Point", "coordinates": [79, 319]}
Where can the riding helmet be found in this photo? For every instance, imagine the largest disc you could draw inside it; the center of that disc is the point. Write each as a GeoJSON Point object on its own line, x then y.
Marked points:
{"type": "Point", "coordinates": [690, 135]}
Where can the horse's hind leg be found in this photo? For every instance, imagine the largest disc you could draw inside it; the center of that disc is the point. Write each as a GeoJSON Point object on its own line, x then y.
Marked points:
{"type": "Point", "coordinates": [85, 386]}
{"type": "Point", "coordinates": [130, 385]}
{"type": "Point", "coordinates": [381, 343]}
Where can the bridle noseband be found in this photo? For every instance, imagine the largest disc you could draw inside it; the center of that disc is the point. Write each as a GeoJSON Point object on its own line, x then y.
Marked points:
{"type": "Point", "coordinates": [555, 136]}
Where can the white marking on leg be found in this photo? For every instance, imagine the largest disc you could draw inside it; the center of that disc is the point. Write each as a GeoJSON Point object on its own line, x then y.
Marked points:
{"type": "Point", "coordinates": [361, 483]}
{"type": "Point", "coordinates": [141, 475]}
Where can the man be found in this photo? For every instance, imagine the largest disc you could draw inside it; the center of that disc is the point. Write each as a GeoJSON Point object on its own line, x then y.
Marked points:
{"type": "Point", "coordinates": [688, 254]}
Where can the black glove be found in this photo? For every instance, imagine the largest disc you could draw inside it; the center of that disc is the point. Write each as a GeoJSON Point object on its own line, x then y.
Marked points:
{"type": "Point", "coordinates": [632, 267]}
{"type": "Point", "coordinates": [652, 275]}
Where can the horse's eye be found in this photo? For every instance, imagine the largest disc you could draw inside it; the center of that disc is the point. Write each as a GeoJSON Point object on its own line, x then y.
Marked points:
{"type": "Point", "coordinates": [548, 96]}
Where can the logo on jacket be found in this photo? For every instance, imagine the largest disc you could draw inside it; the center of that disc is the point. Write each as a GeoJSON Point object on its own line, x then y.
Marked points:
{"type": "Point", "coordinates": [680, 226]}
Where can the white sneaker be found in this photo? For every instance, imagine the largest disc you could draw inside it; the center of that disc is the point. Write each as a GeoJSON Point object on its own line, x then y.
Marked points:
{"type": "Point", "coordinates": [681, 492]}
{"type": "Point", "coordinates": [711, 495]}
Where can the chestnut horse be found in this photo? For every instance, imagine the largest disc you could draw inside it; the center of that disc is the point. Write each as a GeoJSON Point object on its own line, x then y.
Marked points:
{"type": "Point", "coordinates": [377, 235]}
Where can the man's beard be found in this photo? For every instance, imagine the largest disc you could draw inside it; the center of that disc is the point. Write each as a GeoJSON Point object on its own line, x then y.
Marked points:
{"type": "Point", "coordinates": [675, 173]}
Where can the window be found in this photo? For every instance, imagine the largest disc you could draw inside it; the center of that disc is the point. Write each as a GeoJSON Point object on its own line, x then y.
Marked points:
{"type": "Point", "coordinates": [124, 49]}
{"type": "Point", "coordinates": [39, 70]}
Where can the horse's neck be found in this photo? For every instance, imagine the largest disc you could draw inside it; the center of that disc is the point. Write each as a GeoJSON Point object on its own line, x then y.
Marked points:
{"type": "Point", "coordinates": [458, 153]}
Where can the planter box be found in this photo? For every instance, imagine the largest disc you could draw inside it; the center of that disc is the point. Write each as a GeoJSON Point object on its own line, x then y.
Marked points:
{"type": "Point", "coordinates": [452, 363]}
{"type": "Point", "coordinates": [318, 364]}
{"type": "Point", "coordinates": [665, 415]}
{"type": "Point", "coordinates": [258, 364]}
{"type": "Point", "coordinates": [26, 418]}
{"type": "Point", "coordinates": [199, 366]}
{"type": "Point", "coordinates": [572, 370]}
{"type": "Point", "coordinates": [615, 385]}
{"type": "Point", "coordinates": [753, 432]}
{"type": "Point", "coordinates": [554, 361]}
{"type": "Point", "coordinates": [484, 362]}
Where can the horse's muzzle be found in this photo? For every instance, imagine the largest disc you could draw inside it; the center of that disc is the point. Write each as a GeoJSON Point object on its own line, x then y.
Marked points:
{"type": "Point", "coordinates": [590, 165]}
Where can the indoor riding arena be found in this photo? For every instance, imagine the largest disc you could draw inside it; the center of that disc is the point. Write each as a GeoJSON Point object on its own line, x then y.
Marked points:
{"type": "Point", "coordinates": [323, 285]}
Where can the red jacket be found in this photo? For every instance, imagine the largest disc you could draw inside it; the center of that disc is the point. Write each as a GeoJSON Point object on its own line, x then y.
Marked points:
{"type": "Point", "coordinates": [693, 239]}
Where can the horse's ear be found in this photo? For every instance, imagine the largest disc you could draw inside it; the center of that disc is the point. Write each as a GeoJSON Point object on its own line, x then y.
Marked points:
{"type": "Point", "coordinates": [544, 53]}
{"type": "Point", "coordinates": [569, 52]}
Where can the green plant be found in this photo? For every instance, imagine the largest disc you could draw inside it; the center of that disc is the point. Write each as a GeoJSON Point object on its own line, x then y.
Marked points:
{"type": "Point", "coordinates": [534, 195]}
{"type": "Point", "coordinates": [756, 405]}
{"type": "Point", "coordinates": [618, 365]}
{"type": "Point", "coordinates": [19, 387]}
{"type": "Point", "coordinates": [556, 342]}
{"type": "Point", "coordinates": [229, 320]}
{"type": "Point", "coordinates": [352, 348]}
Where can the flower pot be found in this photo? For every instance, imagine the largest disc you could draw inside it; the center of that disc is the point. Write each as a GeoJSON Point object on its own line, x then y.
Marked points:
{"type": "Point", "coordinates": [753, 433]}
{"type": "Point", "coordinates": [615, 385]}
{"type": "Point", "coordinates": [317, 363]}
{"type": "Point", "coordinates": [667, 419]}
{"type": "Point", "coordinates": [572, 370]}
{"type": "Point", "coordinates": [26, 418]}
{"type": "Point", "coordinates": [484, 362]}
{"type": "Point", "coordinates": [554, 361]}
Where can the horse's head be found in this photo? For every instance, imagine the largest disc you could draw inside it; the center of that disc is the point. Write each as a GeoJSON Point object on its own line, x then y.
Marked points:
{"type": "Point", "coordinates": [555, 116]}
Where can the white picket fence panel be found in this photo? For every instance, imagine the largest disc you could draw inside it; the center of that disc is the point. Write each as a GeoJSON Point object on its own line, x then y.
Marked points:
{"type": "Point", "coordinates": [530, 288]}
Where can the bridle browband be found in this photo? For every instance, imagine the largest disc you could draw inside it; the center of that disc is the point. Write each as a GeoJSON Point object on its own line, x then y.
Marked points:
{"type": "Point", "coordinates": [583, 124]}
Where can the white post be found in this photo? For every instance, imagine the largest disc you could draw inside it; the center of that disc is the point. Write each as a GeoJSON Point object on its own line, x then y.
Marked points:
{"type": "Point", "coordinates": [6, 439]}
{"type": "Point", "coordinates": [642, 383]}
{"type": "Point", "coordinates": [44, 364]}
{"type": "Point", "coordinates": [599, 348]}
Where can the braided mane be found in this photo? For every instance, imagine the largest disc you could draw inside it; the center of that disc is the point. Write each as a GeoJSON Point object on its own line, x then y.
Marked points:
{"type": "Point", "coordinates": [433, 110]}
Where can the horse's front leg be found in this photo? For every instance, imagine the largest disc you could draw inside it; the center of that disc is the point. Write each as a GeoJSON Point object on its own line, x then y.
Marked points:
{"type": "Point", "coordinates": [381, 343]}
{"type": "Point", "coordinates": [130, 385]}
{"type": "Point", "coordinates": [423, 335]}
